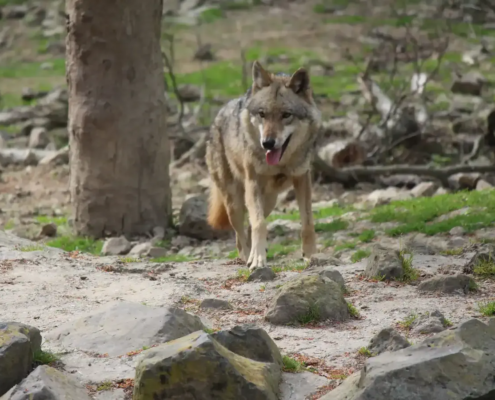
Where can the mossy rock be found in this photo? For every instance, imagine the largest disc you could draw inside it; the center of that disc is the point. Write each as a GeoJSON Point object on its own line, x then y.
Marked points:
{"type": "Point", "coordinates": [306, 299]}
{"type": "Point", "coordinates": [198, 367]}
{"type": "Point", "coordinates": [18, 343]}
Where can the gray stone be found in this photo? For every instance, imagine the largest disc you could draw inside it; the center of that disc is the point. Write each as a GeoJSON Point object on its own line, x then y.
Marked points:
{"type": "Point", "coordinates": [334, 275]}
{"type": "Point", "coordinates": [301, 385]}
{"type": "Point", "coordinates": [384, 264]}
{"type": "Point", "coordinates": [49, 230]}
{"type": "Point", "coordinates": [38, 138]}
{"type": "Point", "coordinates": [116, 246]}
{"type": "Point", "coordinates": [387, 339]}
{"type": "Point", "coordinates": [264, 274]}
{"type": "Point", "coordinates": [323, 260]}
{"type": "Point", "coordinates": [123, 327]}
{"type": "Point", "coordinates": [470, 83]}
{"type": "Point", "coordinates": [157, 252]}
{"type": "Point", "coordinates": [46, 383]}
{"type": "Point", "coordinates": [18, 343]}
{"type": "Point", "coordinates": [251, 342]}
{"type": "Point", "coordinates": [314, 297]}
{"type": "Point", "coordinates": [452, 365]}
{"type": "Point", "coordinates": [215, 303]}
{"type": "Point", "coordinates": [447, 284]}
{"type": "Point", "coordinates": [424, 189]}
{"type": "Point", "coordinates": [429, 322]}
{"type": "Point", "coordinates": [192, 219]}
{"type": "Point", "coordinates": [207, 371]}
{"type": "Point", "coordinates": [141, 249]}
{"type": "Point", "coordinates": [484, 254]}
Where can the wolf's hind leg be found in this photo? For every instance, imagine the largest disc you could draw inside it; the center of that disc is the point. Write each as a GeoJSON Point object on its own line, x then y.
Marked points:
{"type": "Point", "coordinates": [302, 188]}
{"type": "Point", "coordinates": [234, 203]}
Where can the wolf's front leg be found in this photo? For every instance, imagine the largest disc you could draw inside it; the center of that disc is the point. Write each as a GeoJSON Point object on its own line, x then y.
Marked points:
{"type": "Point", "coordinates": [302, 189]}
{"type": "Point", "coordinates": [254, 204]}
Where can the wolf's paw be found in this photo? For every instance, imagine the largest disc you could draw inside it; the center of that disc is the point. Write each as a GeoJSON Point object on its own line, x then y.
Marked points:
{"type": "Point", "coordinates": [256, 260]}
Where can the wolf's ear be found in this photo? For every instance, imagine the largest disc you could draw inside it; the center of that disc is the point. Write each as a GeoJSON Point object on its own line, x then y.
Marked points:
{"type": "Point", "coordinates": [261, 77]}
{"type": "Point", "coordinates": [299, 81]}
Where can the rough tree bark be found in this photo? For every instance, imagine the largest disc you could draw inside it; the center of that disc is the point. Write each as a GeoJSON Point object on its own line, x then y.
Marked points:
{"type": "Point", "coordinates": [119, 149]}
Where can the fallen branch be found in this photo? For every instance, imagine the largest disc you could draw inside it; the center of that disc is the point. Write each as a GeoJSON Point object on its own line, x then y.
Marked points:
{"type": "Point", "coordinates": [352, 175]}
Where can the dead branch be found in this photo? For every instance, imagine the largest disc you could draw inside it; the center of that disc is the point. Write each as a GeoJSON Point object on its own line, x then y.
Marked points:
{"type": "Point", "coordinates": [352, 175]}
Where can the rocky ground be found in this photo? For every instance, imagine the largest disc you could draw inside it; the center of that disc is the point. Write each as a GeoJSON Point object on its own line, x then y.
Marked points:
{"type": "Point", "coordinates": [405, 262]}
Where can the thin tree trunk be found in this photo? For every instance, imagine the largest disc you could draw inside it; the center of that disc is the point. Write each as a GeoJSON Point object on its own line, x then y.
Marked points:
{"type": "Point", "coordinates": [119, 149]}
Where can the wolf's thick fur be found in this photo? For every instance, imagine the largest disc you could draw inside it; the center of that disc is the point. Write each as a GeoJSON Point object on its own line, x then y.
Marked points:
{"type": "Point", "coordinates": [260, 144]}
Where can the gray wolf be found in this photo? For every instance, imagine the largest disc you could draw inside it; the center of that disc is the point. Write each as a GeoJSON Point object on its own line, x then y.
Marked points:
{"type": "Point", "coordinates": [259, 145]}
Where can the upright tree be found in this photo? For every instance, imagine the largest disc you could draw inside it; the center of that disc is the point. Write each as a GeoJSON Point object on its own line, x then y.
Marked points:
{"type": "Point", "coordinates": [119, 149]}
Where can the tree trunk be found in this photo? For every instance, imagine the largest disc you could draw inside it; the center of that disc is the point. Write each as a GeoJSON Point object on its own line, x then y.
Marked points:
{"type": "Point", "coordinates": [119, 149]}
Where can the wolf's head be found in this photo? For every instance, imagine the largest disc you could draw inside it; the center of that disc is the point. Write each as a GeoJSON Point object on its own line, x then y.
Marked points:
{"type": "Point", "coordinates": [282, 110]}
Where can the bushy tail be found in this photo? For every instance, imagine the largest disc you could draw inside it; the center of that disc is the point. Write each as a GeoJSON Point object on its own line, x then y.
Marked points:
{"type": "Point", "coordinates": [217, 213]}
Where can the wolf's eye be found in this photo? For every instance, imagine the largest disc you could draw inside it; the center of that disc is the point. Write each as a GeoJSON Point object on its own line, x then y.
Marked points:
{"type": "Point", "coordinates": [261, 114]}
{"type": "Point", "coordinates": [286, 115]}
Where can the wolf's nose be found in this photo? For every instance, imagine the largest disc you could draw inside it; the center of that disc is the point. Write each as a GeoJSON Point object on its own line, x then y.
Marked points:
{"type": "Point", "coordinates": [268, 144]}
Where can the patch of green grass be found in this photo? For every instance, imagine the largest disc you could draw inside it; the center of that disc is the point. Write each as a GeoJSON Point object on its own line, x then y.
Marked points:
{"type": "Point", "coordinates": [473, 286]}
{"type": "Point", "coordinates": [172, 258]}
{"type": "Point", "coordinates": [313, 315]}
{"type": "Point", "coordinates": [233, 254]}
{"type": "Point", "coordinates": [12, 2]}
{"type": "Point", "coordinates": [42, 357]}
{"type": "Point", "coordinates": [418, 215]}
{"type": "Point", "coordinates": [290, 364]}
{"type": "Point", "coordinates": [281, 249]}
{"type": "Point", "coordinates": [485, 268]}
{"type": "Point", "coordinates": [44, 219]}
{"type": "Point", "coordinates": [32, 70]}
{"type": "Point", "coordinates": [447, 322]}
{"type": "Point", "coordinates": [487, 308]}
{"type": "Point", "coordinates": [243, 273]}
{"type": "Point", "coordinates": [359, 255]}
{"type": "Point", "coordinates": [364, 351]}
{"type": "Point", "coordinates": [104, 386]}
{"type": "Point", "coordinates": [345, 246]}
{"type": "Point", "coordinates": [291, 266]}
{"type": "Point", "coordinates": [408, 322]}
{"type": "Point", "coordinates": [211, 15]}
{"type": "Point", "coordinates": [73, 243]}
{"type": "Point", "coordinates": [321, 213]}
{"type": "Point", "coordinates": [353, 311]}
{"type": "Point", "coordinates": [367, 235]}
{"type": "Point", "coordinates": [9, 225]}
{"type": "Point", "coordinates": [127, 260]}
{"type": "Point", "coordinates": [453, 252]}
{"type": "Point", "coordinates": [334, 226]}
{"type": "Point", "coordinates": [32, 247]}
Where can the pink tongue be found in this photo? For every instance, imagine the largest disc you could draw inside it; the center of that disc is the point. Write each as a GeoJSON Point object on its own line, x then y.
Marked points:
{"type": "Point", "coordinates": [273, 156]}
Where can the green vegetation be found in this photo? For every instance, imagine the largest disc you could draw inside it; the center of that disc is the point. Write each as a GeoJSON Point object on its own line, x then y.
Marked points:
{"type": "Point", "coordinates": [281, 249]}
{"type": "Point", "coordinates": [353, 311]}
{"type": "Point", "coordinates": [418, 215]}
{"type": "Point", "coordinates": [291, 266]}
{"type": "Point", "coordinates": [243, 273]}
{"type": "Point", "coordinates": [172, 258]}
{"type": "Point", "coordinates": [345, 246]}
{"type": "Point", "coordinates": [32, 247]}
{"type": "Point", "coordinates": [334, 226]}
{"type": "Point", "coordinates": [75, 243]}
{"type": "Point", "coordinates": [313, 315]}
{"type": "Point", "coordinates": [485, 268]}
{"type": "Point", "coordinates": [44, 219]}
{"type": "Point", "coordinates": [364, 351]}
{"type": "Point", "coordinates": [42, 357]}
{"type": "Point", "coordinates": [487, 308]}
{"type": "Point", "coordinates": [410, 273]}
{"type": "Point", "coordinates": [290, 364]}
{"type": "Point", "coordinates": [359, 255]}
{"type": "Point", "coordinates": [104, 386]}
{"type": "Point", "coordinates": [367, 235]}
{"type": "Point", "coordinates": [408, 322]}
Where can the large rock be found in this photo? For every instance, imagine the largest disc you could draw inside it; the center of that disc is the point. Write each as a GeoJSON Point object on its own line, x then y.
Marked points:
{"type": "Point", "coordinates": [458, 283]}
{"type": "Point", "coordinates": [452, 365]}
{"type": "Point", "coordinates": [18, 343]}
{"type": "Point", "coordinates": [208, 367]}
{"type": "Point", "coordinates": [308, 298]}
{"type": "Point", "coordinates": [387, 339]}
{"type": "Point", "coordinates": [334, 275]}
{"type": "Point", "coordinates": [429, 322]}
{"type": "Point", "coordinates": [46, 383]}
{"type": "Point", "coordinates": [123, 327]}
{"type": "Point", "coordinates": [384, 264]}
{"type": "Point", "coordinates": [192, 220]}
